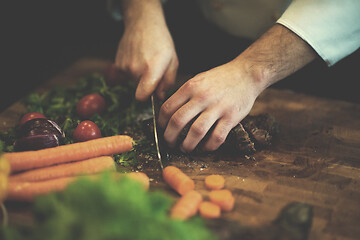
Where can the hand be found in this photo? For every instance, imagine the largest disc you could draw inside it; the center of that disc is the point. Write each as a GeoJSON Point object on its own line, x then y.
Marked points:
{"type": "Point", "coordinates": [147, 53]}
{"type": "Point", "coordinates": [222, 96]}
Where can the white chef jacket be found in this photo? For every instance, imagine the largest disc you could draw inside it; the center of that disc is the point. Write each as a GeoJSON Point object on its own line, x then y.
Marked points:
{"type": "Point", "coordinates": [330, 27]}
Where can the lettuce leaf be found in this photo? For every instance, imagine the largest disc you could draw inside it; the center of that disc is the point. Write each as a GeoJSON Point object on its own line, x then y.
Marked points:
{"type": "Point", "coordinates": [107, 209]}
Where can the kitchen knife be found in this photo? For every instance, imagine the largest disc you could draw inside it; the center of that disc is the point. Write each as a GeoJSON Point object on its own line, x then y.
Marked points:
{"type": "Point", "coordinates": [155, 107]}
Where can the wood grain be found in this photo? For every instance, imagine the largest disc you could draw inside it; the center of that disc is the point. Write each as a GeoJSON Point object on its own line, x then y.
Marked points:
{"type": "Point", "coordinates": [316, 159]}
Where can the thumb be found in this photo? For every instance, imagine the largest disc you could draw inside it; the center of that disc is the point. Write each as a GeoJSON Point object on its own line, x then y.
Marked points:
{"type": "Point", "coordinates": [149, 81]}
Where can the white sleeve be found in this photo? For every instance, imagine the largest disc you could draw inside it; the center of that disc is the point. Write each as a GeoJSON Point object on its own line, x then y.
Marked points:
{"type": "Point", "coordinates": [330, 27]}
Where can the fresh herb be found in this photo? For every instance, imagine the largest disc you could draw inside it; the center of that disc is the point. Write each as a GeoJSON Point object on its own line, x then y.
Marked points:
{"type": "Point", "coordinates": [59, 105]}
{"type": "Point", "coordinates": [7, 140]}
{"type": "Point", "coordinates": [107, 209]}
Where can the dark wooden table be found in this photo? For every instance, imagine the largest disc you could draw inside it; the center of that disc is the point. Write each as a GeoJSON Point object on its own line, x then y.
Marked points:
{"type": "Point", "coordinates": [315, 160]}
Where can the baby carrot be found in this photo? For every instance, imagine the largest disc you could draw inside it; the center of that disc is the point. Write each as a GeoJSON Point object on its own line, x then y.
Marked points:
{"type": "Point", "coordinates": [4, 173]}
{"type": "Point", "coordinates": [223, 198]}
{"type": "Point", "coordinates": [141, 177]}
{"type": "Point", "coordinates": [214, 182]}
{"type": "Point", "coordinates": [187, 205]}
{"type": "Point", "coordinates": [3, 187]}
{"type": "Point", "coordinates": [68, 153]}
{"type": "Point", "coordinates": [178, 180]}
{"type": "Point", "coordinates": [26, 191]}
{"type": "Point", "coordinates": [88, 166]}
{"type": "Point", "coordinates": [209, 210]}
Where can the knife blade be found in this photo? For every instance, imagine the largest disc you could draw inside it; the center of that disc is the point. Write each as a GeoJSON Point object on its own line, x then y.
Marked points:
{"type": "Point", "coordinates": [157, 142]}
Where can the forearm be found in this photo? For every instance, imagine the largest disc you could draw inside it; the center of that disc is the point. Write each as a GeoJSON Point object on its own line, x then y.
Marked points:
{"type": "Point", "coordinates": [146, 51]}
{"type": "Point", "coordinates": [274, 56]}
{"type": "Point", "coordinates": [149, 11]}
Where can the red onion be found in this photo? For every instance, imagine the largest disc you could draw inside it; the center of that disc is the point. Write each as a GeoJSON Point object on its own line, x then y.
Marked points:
{"type": "Point", "coordinates": [37, 134]}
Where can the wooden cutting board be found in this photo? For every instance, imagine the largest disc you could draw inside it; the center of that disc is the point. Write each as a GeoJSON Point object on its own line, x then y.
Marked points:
{"type": "Point", "coordinates": [315, 160]}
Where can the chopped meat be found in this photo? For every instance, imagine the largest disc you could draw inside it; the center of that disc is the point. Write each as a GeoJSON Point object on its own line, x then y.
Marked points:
{"type": "Point", "coordinates": [238, 141]}
{"type": "Point", "coordinates": [261, 128]}
{"type": "Point", "coordinates": [253, 133]}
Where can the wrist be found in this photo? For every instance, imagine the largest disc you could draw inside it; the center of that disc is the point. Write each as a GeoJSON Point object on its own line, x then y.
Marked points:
{"type": "Point", "coordinates": [142, 12]}
{"type": "Point", "coordinates": [274, 56]}
{"type": "Point", "coordinates": [253, 74]}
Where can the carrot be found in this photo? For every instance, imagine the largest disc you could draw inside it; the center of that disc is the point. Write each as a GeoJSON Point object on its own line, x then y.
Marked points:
{"type": "Point", "coordinates": [214, 182]}
{"type": "Point", "coordinates": [88, 166]}
{"type": "Point", "coordinates": [187, 205]}
{"type": "Point", "coordinates": [209, 210]}
{"type": "Point", "coordinates": [26, 191]}
{"type": "Point", "coordinates": [141, 177]}
{"type": "Point", "coordinates": [68, 153]}
{"type": "Point", "coordinates": [4, 173]}
{"type": "Point", "coordinates": [3, 187]}
{"type": "Point", "coordinates": [223, 198]}
{"type": "Point", "coordinates": [178, 180]}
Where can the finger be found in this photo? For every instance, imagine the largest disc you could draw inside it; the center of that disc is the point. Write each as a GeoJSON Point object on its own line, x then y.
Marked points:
{"type": "Point", "coordinates": [199, 129]}
{"type": "Point", "coordinates": [179, 120]}
{"type": "Point", "coordinates": [178, 99]}
{"type": "Point", "coordinates": [150, 79]}
{"type": "Point", "coordinates": [168, 80]}
{"type": "Point", "coordinates": [131, 71]}
{"type": "Point", "coordinates": [218, 136]}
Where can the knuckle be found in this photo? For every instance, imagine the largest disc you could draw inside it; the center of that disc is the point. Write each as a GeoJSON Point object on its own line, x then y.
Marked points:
{"type": "Point", "coordinates": [134, 68]}
{"type": "Point", "coordinates": [202, 97]}
{"type": "Point", "coordinates": [190, 85]}
{"type": "Point", "coordinates": [177, 121]}
{"type": "Point", "coordinates": [121, 65]}
{"type": "Point", "coordinates": [198, 130]}
{"type": "Point", "coordinates": [231, 116]}
{"type": "Point", "coordinates": [165, 109]}
{"type": "Point", "coordinates": [168, 138]}
{"type": "Point", "coordinates": [218, 137]}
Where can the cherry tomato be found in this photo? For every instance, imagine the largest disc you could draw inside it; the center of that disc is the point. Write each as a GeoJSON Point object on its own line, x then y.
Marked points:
{"type": "Point", "coordinates": [90, 105]}
{"type": "Point", "coordinates": [114, 76]}
{"type": "Point", "coordinates": [86, 130]}
{"type": "Point", "coordinates": [31, 115]}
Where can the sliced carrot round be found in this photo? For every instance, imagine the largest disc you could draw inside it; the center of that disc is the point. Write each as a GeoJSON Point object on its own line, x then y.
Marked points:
{"type": "Point", "coordinates": [209, 210]}
{"type": "Point", "coordinates": [187, 205]}
{"type": "Point", "coordinates": [178, 180]}
{"type": "Point", "coordinates": [214, 182]}
{"type": "Point", "coordinates": [223, 198]}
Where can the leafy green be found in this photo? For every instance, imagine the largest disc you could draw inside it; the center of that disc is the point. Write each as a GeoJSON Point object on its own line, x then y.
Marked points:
{"type": "Point", "coordinates": [7, 139]}
{"type": "Point", "coordinates": [107, 209]}
{"type": "Point", "coordinates": [59, 105]}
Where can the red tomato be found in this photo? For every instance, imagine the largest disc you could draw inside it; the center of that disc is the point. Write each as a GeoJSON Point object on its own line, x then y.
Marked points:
{"type": "Point", "coordinates": [86, 130]}
{"type": "Point", "coordinates": [90, 105]}
{"type": "Point", "coordinates": [31, 115]}
{"type": "Point", "coordinates": [114, 76]}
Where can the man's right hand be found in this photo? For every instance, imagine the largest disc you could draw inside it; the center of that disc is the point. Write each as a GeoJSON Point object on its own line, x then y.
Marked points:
{"type": "Point", "coordinates": [146, 50]}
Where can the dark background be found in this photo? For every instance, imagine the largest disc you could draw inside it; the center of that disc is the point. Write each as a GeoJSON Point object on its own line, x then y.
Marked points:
{"type": "Point", "coordinates": [41, 38]}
